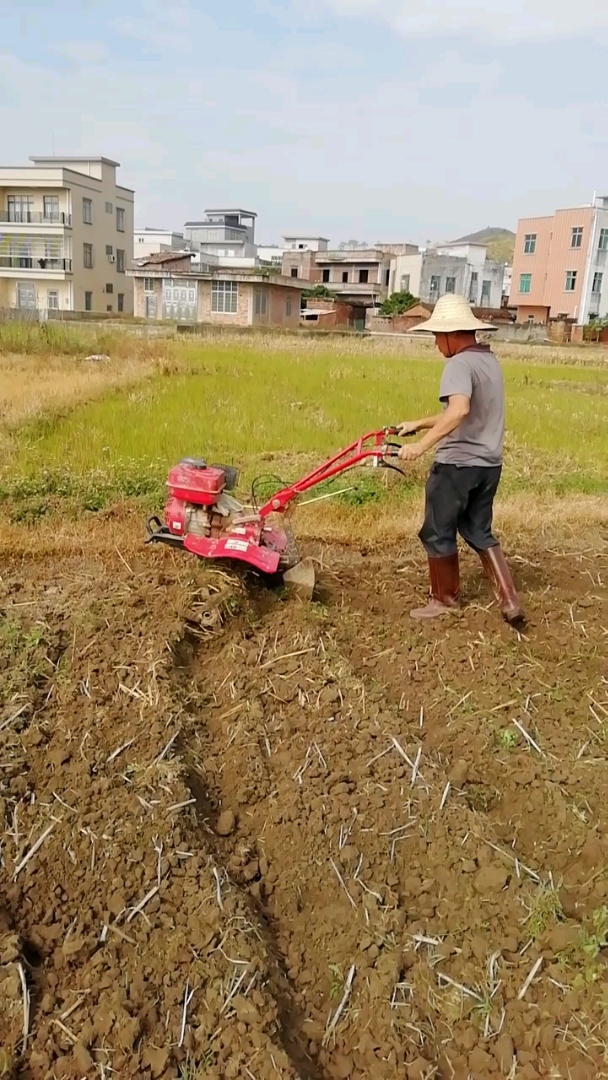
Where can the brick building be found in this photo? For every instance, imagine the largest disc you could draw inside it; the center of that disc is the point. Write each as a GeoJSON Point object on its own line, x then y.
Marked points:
{"type": "Point", "coordinates": [167, 286]}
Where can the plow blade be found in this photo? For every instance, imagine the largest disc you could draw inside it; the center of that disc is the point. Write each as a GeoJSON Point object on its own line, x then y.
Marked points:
{"type": "Point", "coordinates": [300, 579]}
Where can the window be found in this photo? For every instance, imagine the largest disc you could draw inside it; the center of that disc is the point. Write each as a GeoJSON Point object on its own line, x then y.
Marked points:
{"type": "Point", "coordinates": [52, 252]}
{"type": "Point", "coordinates": [120, 260]}
{"type": "Point", "coordinates": [260, 304]}
{"type": "Point", "coordinates": [120, 306]}
{"type": "Point", "coordinates": [109, 287]}
{"type": "Point", "coordinates": [486, 291]}
{"type": "Point", "coordinates": [224, 297]}
{"type": "Point", "coordinates": [435, 284]}
{"type": "Point", "coordinates": [24, 254]}
{"type": "Point", "coordinates": [109, 249]}
{"type": "Point", "coordinates": [576, 237]}
{"type": "Point", "coordinates": [301, 246]}
{"type": "Point", "coordinates": [109, 208]}
{"type": "Point", "coordinates": [603, 244]}
{"type": "Point", "coordinates": [120, 219]}
{"type": "Point", "coordinates": [87, 256]}
{"type": "Point", "coordinates": [140, 239]}
{"type": "Point", "coordinates": [363, 277]}
{"type": "Point", "coordinates": [405, 282]}
{"type": "Point", "coordinates": [108, 307]}
{"type": "Point", "coordinates": [345, 275]}
{"type": "Point", "coordinates": [294, 271]}
{"type": "Point", "coordinates": [87, 211]}
{"type": "Point", "coordinates": [20, 207]}
{"type": "Point", "coordinates": [570, 282]}
{"type": "Point", "coordinates": [326, 274]}
{"type": "Point", "coordinates": [148, 284]}
{"type": "Point", "coordinates": [473, 287]}
{"type": "Point", "coordinates": [288, 308]}
{"type": "Point", "coordinates": [88, 301]}
{"type": "Point", "coordinates": [50, 208]}
{"type": "Point", "coordinates": [450, 284]}
{"type": "Point", "coordinates": [52, 299]}
{"type": "Point", "coordinates": [530, 243]}
{"type": "Point", "coordinates": [597, 282]}
{"type": "Point", "coordinates": [525, 282]}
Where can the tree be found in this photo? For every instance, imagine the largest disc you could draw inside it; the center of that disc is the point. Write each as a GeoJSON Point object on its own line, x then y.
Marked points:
{"type": "Point", "coordinates": [398, 303]}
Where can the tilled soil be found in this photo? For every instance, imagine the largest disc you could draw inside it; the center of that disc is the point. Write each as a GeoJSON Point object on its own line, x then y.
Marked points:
{"type": "Point", "coordinates": [244, 836]}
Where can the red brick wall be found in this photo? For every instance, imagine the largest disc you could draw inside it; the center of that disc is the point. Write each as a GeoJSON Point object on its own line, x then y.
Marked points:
{"type": "Point", "coordinates": [284, 306]}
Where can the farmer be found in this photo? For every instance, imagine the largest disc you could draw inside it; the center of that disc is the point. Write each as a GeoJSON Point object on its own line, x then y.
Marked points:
{"type": "Point", "coordinates": [468, 436]}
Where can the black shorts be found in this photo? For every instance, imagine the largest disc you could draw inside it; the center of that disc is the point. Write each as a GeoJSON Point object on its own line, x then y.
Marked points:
{"type": "Point", "coordinates": [459, 499]}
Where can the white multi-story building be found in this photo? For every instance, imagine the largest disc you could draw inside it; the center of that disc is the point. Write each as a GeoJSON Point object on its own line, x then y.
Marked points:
{"type": "Point", "coordinates": [270, 255]}
{"type": "Point", "coordinates": [150, 241]}
{"type": "Point", "coordinates": [66, 236]}
{"type": "Point", "coordinates": [226, 233]}
{"type": "Point", "coordinates": [306, 243]}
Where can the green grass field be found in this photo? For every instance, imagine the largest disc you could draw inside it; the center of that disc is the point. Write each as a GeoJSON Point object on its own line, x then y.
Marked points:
{"type": "Point", "coordinates": [277, 412]}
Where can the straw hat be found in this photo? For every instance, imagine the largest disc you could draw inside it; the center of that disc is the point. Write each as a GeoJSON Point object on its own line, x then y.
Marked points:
{"type": "Point", "coordinates": [451, 313]}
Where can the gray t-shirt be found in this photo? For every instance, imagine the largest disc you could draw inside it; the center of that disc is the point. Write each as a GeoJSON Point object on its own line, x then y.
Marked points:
{"type": "Point", "coordinates": [479, 437]}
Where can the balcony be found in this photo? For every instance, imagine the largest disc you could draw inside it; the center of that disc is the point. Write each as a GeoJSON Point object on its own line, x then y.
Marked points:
{"type": "Point", "coordinates": [33, 217]}
{"type": "Point", "coordinates": [42, 266]}
{"type": "Point", "coordinates": [360, 288]}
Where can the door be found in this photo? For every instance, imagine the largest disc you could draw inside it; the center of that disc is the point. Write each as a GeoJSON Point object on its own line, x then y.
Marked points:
{"type": "Point", "coordinates": [26, 295]}
{"type": "Point", "coordinates": [150, 307]}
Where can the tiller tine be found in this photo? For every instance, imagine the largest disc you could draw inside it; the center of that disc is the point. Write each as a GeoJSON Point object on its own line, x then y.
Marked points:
{"type": "Point", "coordinates": [299, 576]}
{"type": "Point", "coordinates": [300, 579]}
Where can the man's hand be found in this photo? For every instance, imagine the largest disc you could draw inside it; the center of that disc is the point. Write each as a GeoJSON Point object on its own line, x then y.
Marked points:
{"type": "Point", "coordinates": [408, 427]}
{"type": "Point", "coordinates": [411, 452]}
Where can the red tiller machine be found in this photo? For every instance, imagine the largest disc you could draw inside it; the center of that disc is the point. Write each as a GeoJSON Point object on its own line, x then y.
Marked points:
{"type": "Point", "coordinates": [201, 516]}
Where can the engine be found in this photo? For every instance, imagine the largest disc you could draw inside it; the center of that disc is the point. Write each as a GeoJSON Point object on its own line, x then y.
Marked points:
{"type": "Point", "coordinates": [198, 502]}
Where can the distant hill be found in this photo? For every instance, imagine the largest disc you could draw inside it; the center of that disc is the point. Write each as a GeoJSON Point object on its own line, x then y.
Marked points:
{"type": "Point", "coordinates": [500, 242]}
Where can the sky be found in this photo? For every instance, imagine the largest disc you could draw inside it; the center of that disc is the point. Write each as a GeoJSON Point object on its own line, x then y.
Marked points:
{"type": "Point", "coordinates": [374, 120]}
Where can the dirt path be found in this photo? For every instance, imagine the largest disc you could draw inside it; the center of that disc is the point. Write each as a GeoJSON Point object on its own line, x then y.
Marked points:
{"type": "Point", "coordinates": [246, 837]}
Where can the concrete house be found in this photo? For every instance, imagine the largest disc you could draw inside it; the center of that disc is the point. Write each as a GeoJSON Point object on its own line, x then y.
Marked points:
{"type": "Point", "coordinates": [169, 286]}
{"type": "Point", "coordinates": [226, 233]}
{"type": "Point", "coordinates": [559, 266]}
{"type": "Point", "coordinates": [66, 236]}
{"type": "Point", "coordinates": [463, 269]}
{"type": "Point", "coordinates": [355, 275]}
{"type": "Point", "coordinates": [305, 243]}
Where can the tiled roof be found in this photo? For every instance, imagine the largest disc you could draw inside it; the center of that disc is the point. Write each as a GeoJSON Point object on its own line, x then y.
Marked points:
{"type": "Point", "coordinates": [163, 257]}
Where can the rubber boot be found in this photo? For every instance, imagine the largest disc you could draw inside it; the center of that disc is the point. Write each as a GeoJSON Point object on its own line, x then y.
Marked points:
{"type": "Point", "coordinates": [499, 576]}
{"type": "Point", "coordinates": [444, 573]}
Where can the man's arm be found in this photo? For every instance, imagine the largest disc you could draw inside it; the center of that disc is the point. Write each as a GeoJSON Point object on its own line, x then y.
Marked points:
{"type": "Point", "coordinates": [410, 427]}
{"type": "Point", "coordinates": [458, 407]}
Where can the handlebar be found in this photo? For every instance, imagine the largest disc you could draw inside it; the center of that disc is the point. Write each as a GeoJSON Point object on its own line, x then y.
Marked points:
{"type": "Point", "coordinates": [393, 429]}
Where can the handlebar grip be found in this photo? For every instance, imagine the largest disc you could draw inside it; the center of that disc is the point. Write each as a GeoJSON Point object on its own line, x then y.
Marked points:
{"type": "Point", "coordinates": [393, 431]}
